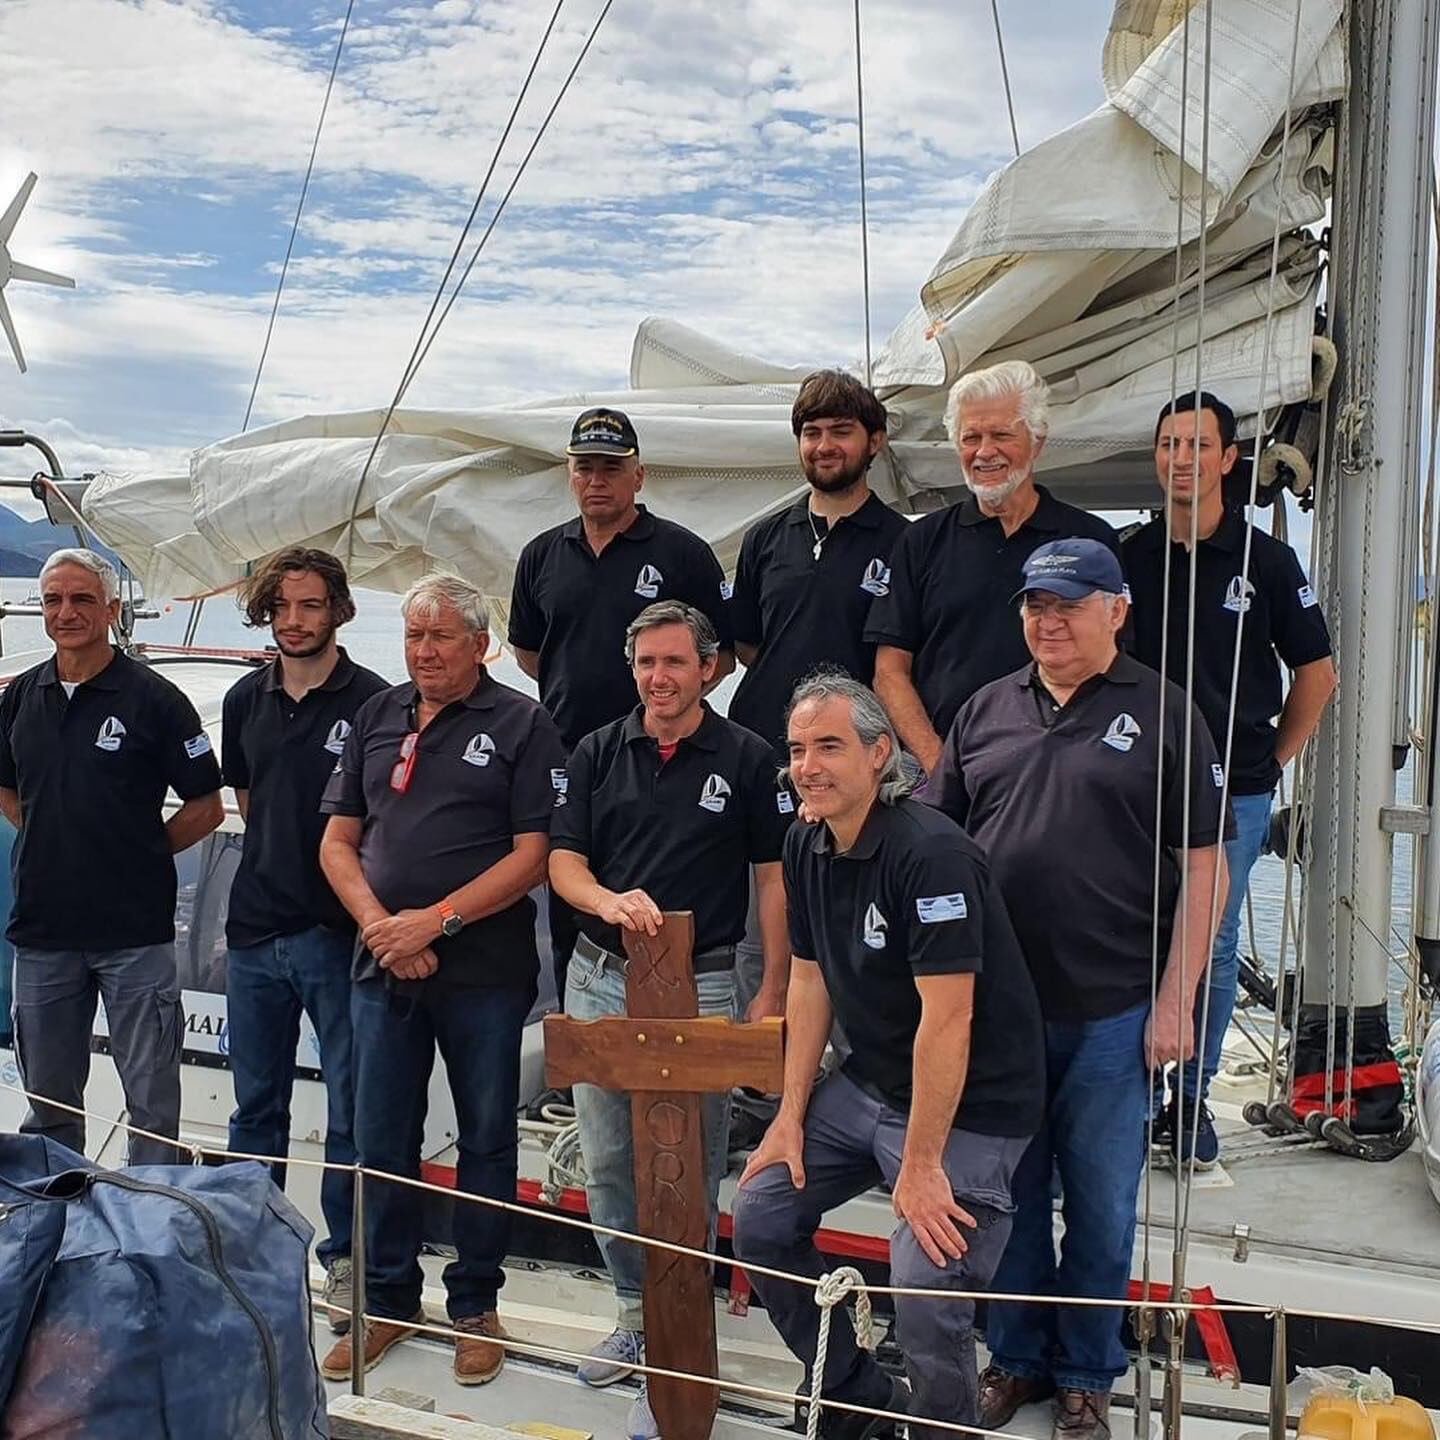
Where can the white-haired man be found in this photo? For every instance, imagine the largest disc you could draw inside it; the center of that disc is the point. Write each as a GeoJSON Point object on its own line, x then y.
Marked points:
{"type": "Point", "coordinates": [90, 742]}
{"type": "Point", "coordinates": [439, 828]}
{"type": "Point", "coordinates": [947, 627]}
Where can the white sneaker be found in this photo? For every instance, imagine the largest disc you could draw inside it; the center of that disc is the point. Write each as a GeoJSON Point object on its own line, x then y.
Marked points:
{"type": "Point", "coordinates": [640, 1423]}
{"type": "Point", "coordinates": [615, 1357]}
{"type": "Point", "coordinates": [339, 1293]}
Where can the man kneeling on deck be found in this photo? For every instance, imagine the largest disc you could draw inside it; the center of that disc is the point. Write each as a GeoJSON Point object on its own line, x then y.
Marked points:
{"type": "Point", "coordinates": [666, 809]}
{"type": "Point", "coordinates": [898, 931]}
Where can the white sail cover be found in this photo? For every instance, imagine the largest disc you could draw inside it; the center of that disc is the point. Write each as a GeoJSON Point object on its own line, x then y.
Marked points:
{"type": "Point", "coordinates": [1068, 258]}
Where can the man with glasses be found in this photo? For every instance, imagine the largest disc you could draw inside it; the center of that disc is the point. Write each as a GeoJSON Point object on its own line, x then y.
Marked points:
{"type": "Point", "coordinates": [439, 828]}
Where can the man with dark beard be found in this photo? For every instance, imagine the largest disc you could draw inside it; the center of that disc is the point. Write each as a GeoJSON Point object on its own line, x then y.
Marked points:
{"type": "Point", "coordinates": [948, 624]}
{"type": "Point", "coordinates": [806, 580]}
{"type": "Point", "coordinates": [290, 939]}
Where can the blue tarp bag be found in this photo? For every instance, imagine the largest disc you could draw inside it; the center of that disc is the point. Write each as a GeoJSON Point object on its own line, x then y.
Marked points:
{"type": "Point", "coordinates": [158, 1301]}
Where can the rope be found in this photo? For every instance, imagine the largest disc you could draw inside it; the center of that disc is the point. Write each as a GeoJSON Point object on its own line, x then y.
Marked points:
{"type": "Point", "coordinates": [1005, 76]}
{"type": "Point", "coordinates": [864, 213]}
{"type": "Point", "coordinates": [833, 1289]}
{"type": "Point", "coordinates": [299, 208]}
{"type": "Point", "coordinates": [423, 341]}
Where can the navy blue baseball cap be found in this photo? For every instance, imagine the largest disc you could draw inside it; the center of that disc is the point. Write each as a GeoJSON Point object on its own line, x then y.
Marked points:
{"type": "Point", "coordinates": [1072, 569]}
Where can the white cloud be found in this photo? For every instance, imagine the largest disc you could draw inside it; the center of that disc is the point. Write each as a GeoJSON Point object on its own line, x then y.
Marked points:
{"type": "Point", "coordinates": [703, 165]}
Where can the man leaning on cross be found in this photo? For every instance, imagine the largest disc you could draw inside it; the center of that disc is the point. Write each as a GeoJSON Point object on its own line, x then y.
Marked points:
{"type": "Point", "coordinates": [665, 810]}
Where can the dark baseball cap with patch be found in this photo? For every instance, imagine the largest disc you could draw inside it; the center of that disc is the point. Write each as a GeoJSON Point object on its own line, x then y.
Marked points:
{"type": "Point", "coordinates": [603, 432]}
{"type": "Point", "coordinates": [1072, 569]}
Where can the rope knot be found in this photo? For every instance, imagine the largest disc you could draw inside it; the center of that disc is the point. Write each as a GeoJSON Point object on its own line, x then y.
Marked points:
{"type": "Point", "coordinates": [835, 1288]}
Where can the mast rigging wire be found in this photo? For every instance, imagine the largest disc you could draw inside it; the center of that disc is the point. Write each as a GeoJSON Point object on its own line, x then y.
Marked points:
{"type": "Point", "coordinates": [1005, 75]}
{"type": "Point", "coordinates": [198, 607]}
{"type": "Point", "coordinates": [864, 214]}
{"type": "Point", "coordinates": [423, 341]}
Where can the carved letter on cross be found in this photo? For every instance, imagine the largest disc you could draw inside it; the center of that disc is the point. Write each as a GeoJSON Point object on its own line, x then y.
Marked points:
{"type": "Point", "coordinates": [667, 1058]}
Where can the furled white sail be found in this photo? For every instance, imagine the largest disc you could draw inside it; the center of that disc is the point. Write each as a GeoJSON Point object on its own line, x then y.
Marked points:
{"type": "Point", "coordinates": [1067, 259]}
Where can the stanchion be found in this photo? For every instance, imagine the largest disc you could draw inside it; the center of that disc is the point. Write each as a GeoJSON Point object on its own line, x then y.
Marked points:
{"type": "Point", "coordinates": [357, 1287]}
{"type": "Point", "coordinates": [1279, 1380]}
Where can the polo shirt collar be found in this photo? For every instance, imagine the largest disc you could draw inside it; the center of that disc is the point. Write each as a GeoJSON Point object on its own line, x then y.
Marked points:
{"type": "Point", "coordinates": [337, 679]}
{"type": "Point", "coordinates": [867, 516]}
{"type": "Point", "coordinates": [1047, 517]}
{"type": "Point", "coordinates": [642, 527]}
{"type": "Point", "coordinates": [705, 737]}
{"type": "Point", "coordinates": [482, 697]}
{"type": "Point", "coordinates": [867, 842]}
{"type": "Point", "coordinates": [1229, 535]}
{"type": "Point", "coordinates": [1124, 670]}
{"type": "Point", "coordinates": [107, 679]}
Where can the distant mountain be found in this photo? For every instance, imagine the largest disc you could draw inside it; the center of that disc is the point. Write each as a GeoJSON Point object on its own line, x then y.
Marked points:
{"type": "Point", "coordinates": [25, 545]}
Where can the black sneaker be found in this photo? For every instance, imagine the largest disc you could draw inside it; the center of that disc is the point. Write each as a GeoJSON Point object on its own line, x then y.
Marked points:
{"type": "Point", "coordinates": [850, 1424]}
{"type": "Point", "coordinates": [1207, 1142]}
{"type": "Point", "coordinates": [1162, 1130]}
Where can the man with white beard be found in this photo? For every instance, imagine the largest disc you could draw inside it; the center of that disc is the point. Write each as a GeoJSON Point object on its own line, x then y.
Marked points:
{"type": "Point", "coordinates": [948, 625]}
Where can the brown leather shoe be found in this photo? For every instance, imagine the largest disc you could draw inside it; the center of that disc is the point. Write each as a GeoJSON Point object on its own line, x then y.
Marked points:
{"type": "Point", "coordinates": [1002, 1394]}
{"type": "Point", "coordinates": [380, 1336]}
{"type": "Point", "coordinates": [1082, 1415]}
{"type": "Point", "coordinates": [479, 1360]}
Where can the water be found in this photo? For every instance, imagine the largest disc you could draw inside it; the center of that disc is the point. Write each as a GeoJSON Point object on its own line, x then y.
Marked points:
{"type": "Point", "coordinates": [375, 638]}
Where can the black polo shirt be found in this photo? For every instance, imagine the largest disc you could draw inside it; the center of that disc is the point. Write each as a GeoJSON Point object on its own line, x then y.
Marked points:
{"type": "Point", "coordinates": [913, 897]}
{"type": "Point", "coordinates": [686, 832]}
{"type": "Point", "coordinates": [487, 768]}
{"type": "Point", "coordinates": [1062, 800]}
{"type": "Point", "coordinates": [283, 752]}
{"type": "Point", "coordinates": [1275, 608]}
{"type": "Point", "coordinates": [802, 612]}
{"type": "Point", "coordinates": [572, 606]}
{"type": "Point", "coordinates": [92, 867]}
{"type": "Point", "coordinates": [952, 576]}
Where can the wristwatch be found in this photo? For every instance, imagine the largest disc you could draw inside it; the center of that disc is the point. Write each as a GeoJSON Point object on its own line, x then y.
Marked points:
{"type": "Point", "coordinates": [451, 922]}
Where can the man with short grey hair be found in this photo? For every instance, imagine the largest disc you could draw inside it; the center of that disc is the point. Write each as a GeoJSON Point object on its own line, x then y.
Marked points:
{"type": "Point", "coordinates": [439, 817]}
{"type": "Point", "coordinates": [91, 741]}
{"type": "Point", "coordinates": [666, 809]}
{"type": "Point", "coordinates": [898, 932]}
{"type": "Point", "coordinates": [947, 627]}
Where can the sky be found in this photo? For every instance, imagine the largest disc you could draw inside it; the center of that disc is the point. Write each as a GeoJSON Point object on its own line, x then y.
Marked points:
{"type": "Point", "coordinates": [703, 166]}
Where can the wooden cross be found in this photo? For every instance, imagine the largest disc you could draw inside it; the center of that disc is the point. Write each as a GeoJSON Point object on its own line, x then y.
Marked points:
{"type": "Point", "coordinates": [666, 1057]}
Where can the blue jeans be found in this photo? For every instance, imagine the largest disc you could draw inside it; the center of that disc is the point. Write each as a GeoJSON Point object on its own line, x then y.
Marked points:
{"type": "Point", "coordinates": [595, 989]}
{"type": "Point", "coordinates": [853, 1142]}
{"type": "Point", "coordinates": [267, 986]}
{"type": "Point", "coordinates": [1097, 1091]}
{"type": "Point", "coordinates": [1252, 829]}
{"type": "Point", "coordinates": [397, 1032]}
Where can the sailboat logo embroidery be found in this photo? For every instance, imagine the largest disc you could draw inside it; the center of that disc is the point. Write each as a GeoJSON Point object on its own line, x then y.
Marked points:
{"type": "Point", "coordinates": [478, 750]}
{"type": "Point", "coordinates": [335, 740]}
{"type": "Point", "coordinates": [1237, 595]}
{"type": "Point", "coordinates": [877, 578]}
{"type": "Point", "coordinates": [714, 793]}
{"type": "Point", "coordinates": [648, 581]}
{"type": "Point", "coordinates": [1122, 734]}
{"type": "Point", "coordinates": [875, 927]}
{"type": "Point", "coordinates": [112, 732]}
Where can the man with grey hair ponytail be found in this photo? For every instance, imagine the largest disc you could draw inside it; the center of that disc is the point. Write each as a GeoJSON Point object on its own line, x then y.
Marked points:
{"type": "Point", "coordinates": [946, 627]}
{"type": "Point", "coordinates": [898, 932]}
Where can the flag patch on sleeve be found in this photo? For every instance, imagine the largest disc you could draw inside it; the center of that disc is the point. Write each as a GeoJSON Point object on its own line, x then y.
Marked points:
{"type": "Point", "coordinates": [934, 909]}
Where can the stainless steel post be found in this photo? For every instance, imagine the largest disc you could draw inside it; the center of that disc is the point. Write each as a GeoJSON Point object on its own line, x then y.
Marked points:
{"type": "Point", "coordinates": [357, 1287]}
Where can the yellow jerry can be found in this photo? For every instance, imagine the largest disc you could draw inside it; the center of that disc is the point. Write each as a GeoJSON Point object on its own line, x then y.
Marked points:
{"type": "Point", "coordinates": [1346, 1417]}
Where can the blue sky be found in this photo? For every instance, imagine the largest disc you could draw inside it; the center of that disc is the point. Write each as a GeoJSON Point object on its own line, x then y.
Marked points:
{"type": "Point", "coordinates": [702, 166]}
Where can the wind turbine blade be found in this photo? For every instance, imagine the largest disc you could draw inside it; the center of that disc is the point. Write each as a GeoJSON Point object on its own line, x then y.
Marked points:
{"type": "Point", "coordinates": [8, 325]}
{"type": "Point", "coordinates": [12, 211]}
{"type": "Point", "coordinates": [40, 277]}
